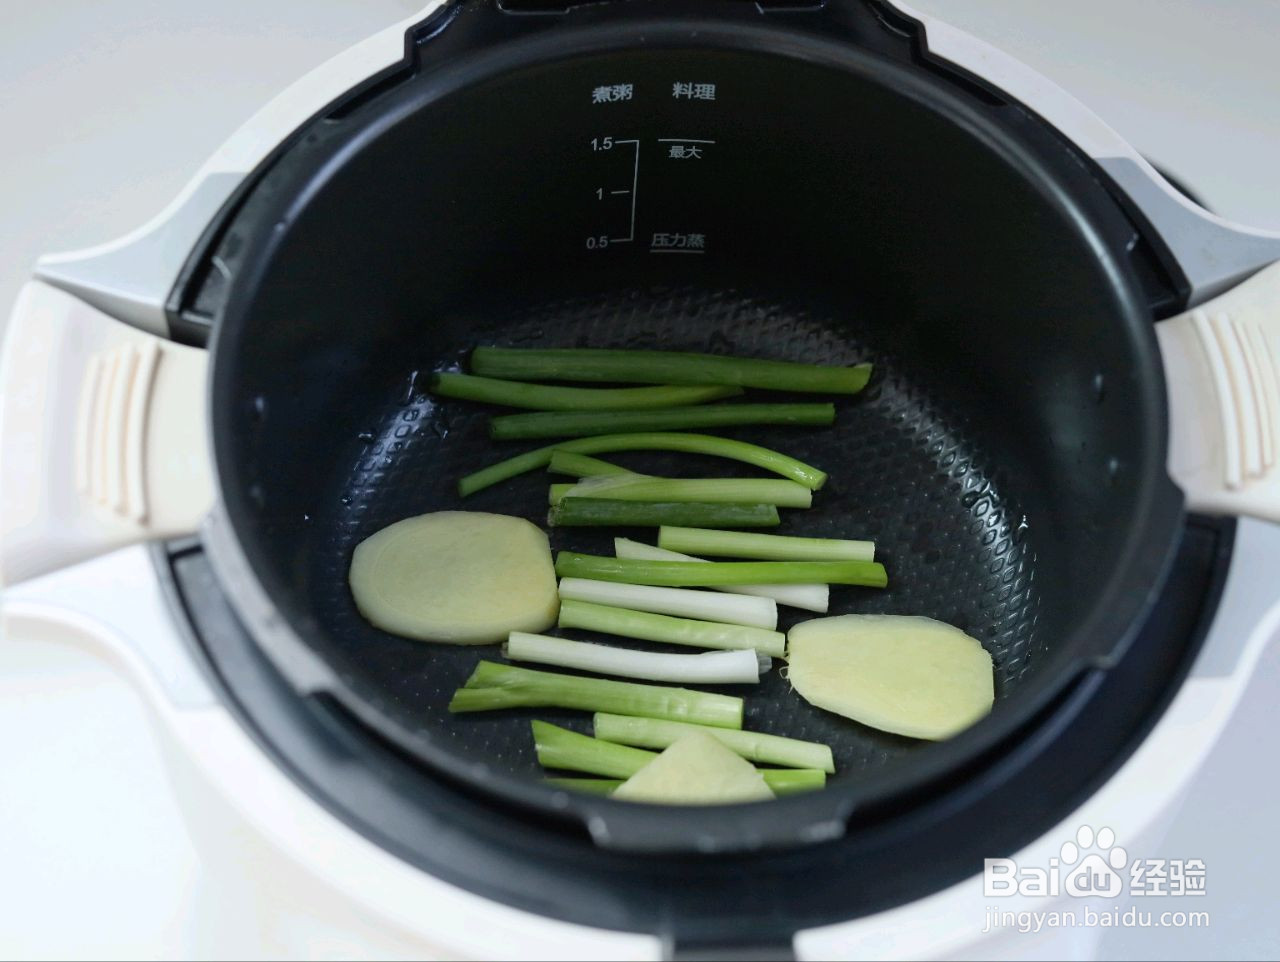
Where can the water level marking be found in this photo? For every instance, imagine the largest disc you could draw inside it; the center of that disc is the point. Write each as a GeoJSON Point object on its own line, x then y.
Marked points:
{"type": "Point", "coordinates": [635, 181]}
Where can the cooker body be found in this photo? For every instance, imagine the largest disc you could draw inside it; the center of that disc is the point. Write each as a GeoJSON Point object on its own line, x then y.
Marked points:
{"type": "Point", "coordinates": [702, 184]}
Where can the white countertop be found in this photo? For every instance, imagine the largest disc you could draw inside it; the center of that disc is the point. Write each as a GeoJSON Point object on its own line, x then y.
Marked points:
{"type": "Point", "coordinates": [109, 105]}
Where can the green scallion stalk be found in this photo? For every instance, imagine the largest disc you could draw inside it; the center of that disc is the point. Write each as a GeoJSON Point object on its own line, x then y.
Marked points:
{"type": "Point", "coordinates": [769, 547]}
{"type": "Point", "coordinates": [606, 512]}
{"type": "Point", "coordinates": [561, 748]}
{"type": "Point", "coordinates": [582, 465]}
{"type": "Point", "coordinates": [630, 487]}
{"type": "Point", "coordinates": [666, 367]}
{"type": "Point", "coordinates": [809, 597]}
{"type": "Point", "coordinates": [544, 397]}
{"type": "Point", "coordinates": [742, 667]}
{"type": "Point", "coordinates": [591, 786]}
{"type": "Point", "coordinates": [558, 747]}
{"type": "Point", "coordinates": [647, 626]}
{"type": "Point", "coordinates": [753, 746]}
{"type": "Point", "coordinates": [793, 781]}
{"type": "Point", "coordinates": [680, 602]}
{"type": "Point", "coordinates": [781, 781]}
{"type": "Point", "coordinates": [709, 444]}
{"type": "Point", "coordinates": [493, 686]}
{"type": "Point", "coordinates": [690, 574]}
{"type": "Point", "coordinates": [565, 424]}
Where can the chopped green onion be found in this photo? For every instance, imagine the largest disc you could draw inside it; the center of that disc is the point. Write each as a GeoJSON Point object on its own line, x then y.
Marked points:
{"type": "Point", "coordinates": [753, 746]}
{"type": "Point", "coordinates": [666, 367]}
{"type": "Point", "coordinates": [793, 781]}
{"type": "Point", "coordinates": [648, 626]}
{"type": "Point", "coordinates": [592, 786]}
{"type": "Point", "coordinates": [709, 444]}
{"type": "Point", "coordinates": [607, 512]}
{"type": "Point", "coordinates": [781, 781]}
{"type": "Point", "coordinates": [543, 397]}
{"type": "Point", "coordinates": [708, 668]}
{"type": "Point", "coordinates": [558, 747]}
{"type": "Point", "coordinates": [771, 547]}
{"type": "Point", "coordinates": [581, 465]}
{"type": "Point", "coordinates": [698, 573]}
{"type": "Point", "coordinates": [493, 686]}
{"type": "Point", "coordinates": [563, 424]}
{"type": "Point", "coordinates": [808, 597]}
{"type": "Point", "coordinates": [681, 602]}
{"type": "Point", "coordinates": [630, 487]}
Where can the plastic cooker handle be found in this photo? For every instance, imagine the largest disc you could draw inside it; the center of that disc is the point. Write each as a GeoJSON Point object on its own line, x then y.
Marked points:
{"type": "Point", "coordinates": [1212, 252]}
{"type": "Point", "coordinates": [102, 435]}
{"type": "Point", "coordinates": [1222, 364]}
{"type": "Point", "coordinates": [131, 277]}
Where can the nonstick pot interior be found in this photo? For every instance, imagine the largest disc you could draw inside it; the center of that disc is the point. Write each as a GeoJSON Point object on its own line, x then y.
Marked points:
{"type": "Point", "coordinates": [955, 539]}
{"type": "Point", "coordinates": [1003, 458]}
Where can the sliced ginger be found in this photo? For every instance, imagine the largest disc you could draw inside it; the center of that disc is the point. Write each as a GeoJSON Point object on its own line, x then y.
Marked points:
{"type": "Point", "coordinates": [900, 673]}
{"type": "Point", "coordinates": [695, 769]}
{"type": "Point", "coordinates": [460, 577]}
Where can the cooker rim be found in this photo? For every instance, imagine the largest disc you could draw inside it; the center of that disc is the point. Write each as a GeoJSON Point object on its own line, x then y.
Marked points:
{"type": "Point", "coordinates": [1148, 550]}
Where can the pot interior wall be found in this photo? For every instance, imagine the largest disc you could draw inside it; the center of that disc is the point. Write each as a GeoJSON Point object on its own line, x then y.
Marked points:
{"type": "Point", "coordinates": [844, 213]}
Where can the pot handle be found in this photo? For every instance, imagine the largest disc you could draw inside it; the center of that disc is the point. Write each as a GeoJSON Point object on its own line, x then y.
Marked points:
{"type": "Point", "coordinates": [1222, 367]}
{"type": "Point", "coordinates": [1211, 252]}
{"type": "Point", "coordinates": [102, 436]}
{"type": "Point", "coordinates": [132, 277]}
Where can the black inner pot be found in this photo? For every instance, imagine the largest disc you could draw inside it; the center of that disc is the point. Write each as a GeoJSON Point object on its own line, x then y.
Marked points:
{"type": "Point", "coordinates": [1007, 457]}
